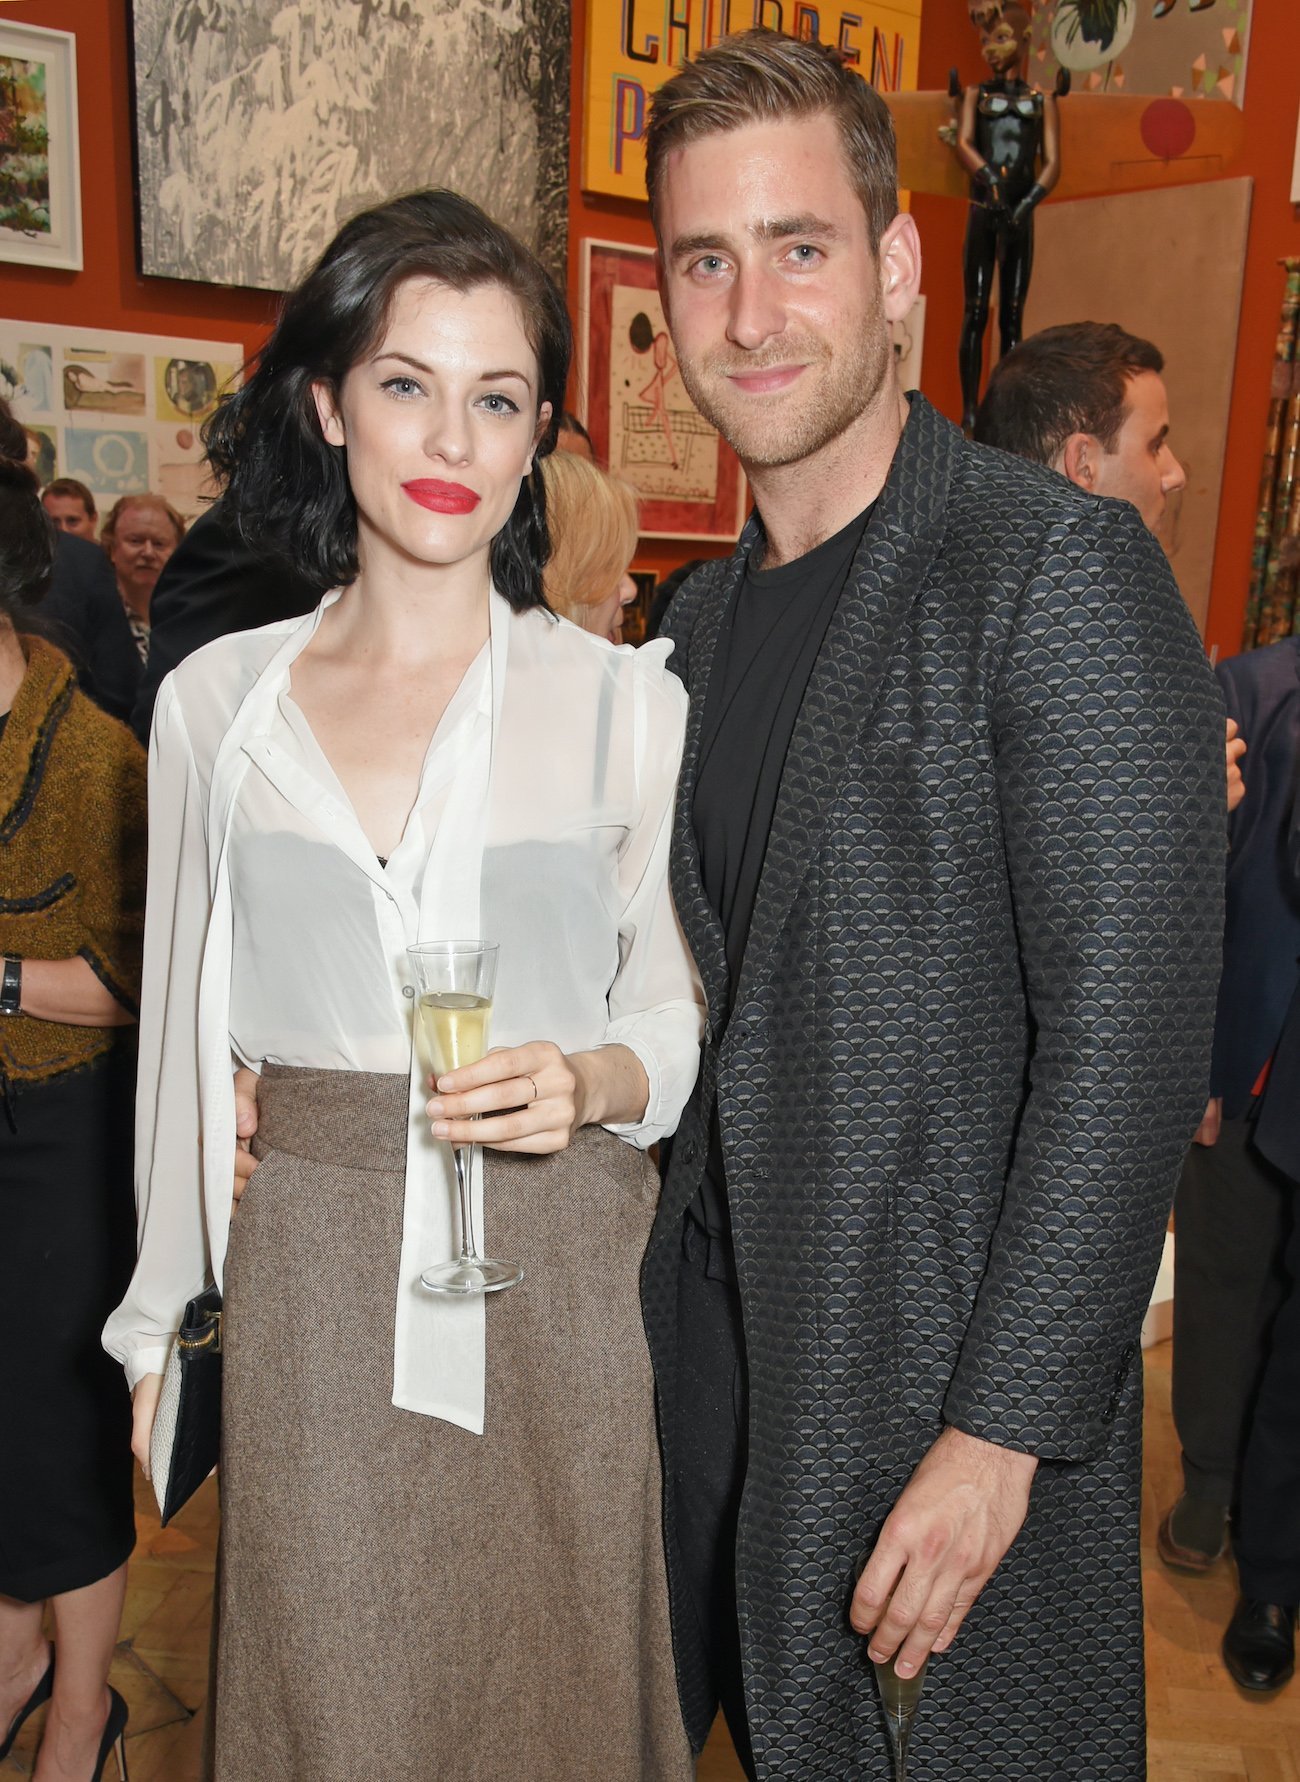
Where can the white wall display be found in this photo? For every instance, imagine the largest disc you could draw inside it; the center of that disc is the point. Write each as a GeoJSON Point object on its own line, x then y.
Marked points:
{"type": "Point", "coordinates": [120, 412]}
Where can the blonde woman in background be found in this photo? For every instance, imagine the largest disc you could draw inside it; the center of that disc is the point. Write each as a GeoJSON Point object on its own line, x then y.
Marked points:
{"type": "Point", "coordinates": [593, 523]}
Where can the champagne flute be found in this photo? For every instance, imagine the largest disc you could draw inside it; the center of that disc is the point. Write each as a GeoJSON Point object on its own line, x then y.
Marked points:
{"type": "Point", "coordinates": [455, 981]}
{"type": "Point", "coordinates": [898, 1699]}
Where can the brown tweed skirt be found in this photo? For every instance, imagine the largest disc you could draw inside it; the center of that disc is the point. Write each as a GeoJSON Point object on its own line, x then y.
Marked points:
{"type": "Point", "coordinates": [399, 1599]}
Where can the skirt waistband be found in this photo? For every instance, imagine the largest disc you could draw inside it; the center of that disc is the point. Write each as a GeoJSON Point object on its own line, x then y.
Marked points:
{"type": "Point", "coordinates": [355, 1118]}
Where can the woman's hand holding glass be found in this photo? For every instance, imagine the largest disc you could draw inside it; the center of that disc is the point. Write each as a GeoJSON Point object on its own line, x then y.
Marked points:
{"type": "Point", "coordinates": [533, 1098]}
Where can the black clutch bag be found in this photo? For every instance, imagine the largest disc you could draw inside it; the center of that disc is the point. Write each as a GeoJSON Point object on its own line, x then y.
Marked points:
{"type": "Point", "coordinates": [186, 1440]}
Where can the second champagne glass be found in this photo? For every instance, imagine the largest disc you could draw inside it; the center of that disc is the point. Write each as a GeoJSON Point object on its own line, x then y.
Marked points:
{"type": "Point", "coordinates": [455, 983]}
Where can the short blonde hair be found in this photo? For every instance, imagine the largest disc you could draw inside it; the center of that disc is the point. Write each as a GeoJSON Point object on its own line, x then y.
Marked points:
{"type": "Point", "coordinates": [593, 525]}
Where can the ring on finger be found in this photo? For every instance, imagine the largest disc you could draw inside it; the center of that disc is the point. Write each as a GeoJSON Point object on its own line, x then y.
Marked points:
{"type": "Point", "coordinates": [530, 1080]}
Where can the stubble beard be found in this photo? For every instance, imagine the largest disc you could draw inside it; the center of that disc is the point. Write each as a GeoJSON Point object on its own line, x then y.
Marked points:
{"type": "Point", "coordinates": [774, 432]}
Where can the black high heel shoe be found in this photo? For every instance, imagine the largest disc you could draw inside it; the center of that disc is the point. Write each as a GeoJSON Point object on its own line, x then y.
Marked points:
{"type": "Point", "coordinates": [42, 1692]}
{"type": "Point", "coordinates": [114, 1738]}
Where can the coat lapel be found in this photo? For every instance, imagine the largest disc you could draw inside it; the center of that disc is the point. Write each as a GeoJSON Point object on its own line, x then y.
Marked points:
{"type": "Point", "coordinates": [845, 683]}
{"type": "Point", "coordinates": [699, 921]}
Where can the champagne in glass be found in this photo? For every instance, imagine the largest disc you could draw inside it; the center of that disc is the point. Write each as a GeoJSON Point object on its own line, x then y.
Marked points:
{"type": "Point", "coordinates": [898, 1699]}
{"type": "Point", "coordinates": [456, 1026]}
{"type": "Point", "coordinates": [454, 985]}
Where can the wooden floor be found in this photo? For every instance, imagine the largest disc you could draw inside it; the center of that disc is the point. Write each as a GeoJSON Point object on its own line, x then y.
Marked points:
{"type": "Point", "coordinates": [1202, 1728]}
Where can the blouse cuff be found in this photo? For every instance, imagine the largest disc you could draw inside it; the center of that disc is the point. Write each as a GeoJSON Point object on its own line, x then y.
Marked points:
{"type": "Point", "coordinates": [650, 1128]}
{"type": "Point", "coordinates": [141, 1362]}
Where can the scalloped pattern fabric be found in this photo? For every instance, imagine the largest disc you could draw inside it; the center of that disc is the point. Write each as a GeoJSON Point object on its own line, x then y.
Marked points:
{"type": "Point", "coordinates": [966, 1055]}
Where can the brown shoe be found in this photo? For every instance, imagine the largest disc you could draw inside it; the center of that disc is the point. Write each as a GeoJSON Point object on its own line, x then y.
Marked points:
{"type": "Point", "coordinates": [1193, 1536]}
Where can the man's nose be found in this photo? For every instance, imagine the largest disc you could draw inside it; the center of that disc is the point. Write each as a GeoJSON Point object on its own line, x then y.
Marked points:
{"type": "Point", "coordinates": [1172, 476]}
{"type": "Point", "coordinates": [757, 309]}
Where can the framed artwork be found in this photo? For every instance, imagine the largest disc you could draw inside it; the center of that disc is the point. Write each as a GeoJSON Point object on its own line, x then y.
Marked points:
{"type": "Point", "coordinates": [120, 412]}
{"type": "Point", "coordinates": [643, 424]}
{"type": "Point", "coordinates": [261, 127]}
{"type": "Point", "coordinates": [40, 169]}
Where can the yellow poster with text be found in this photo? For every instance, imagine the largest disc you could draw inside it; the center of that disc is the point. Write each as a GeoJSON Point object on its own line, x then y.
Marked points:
{"type": "Point", "coordinates": [635, 45]}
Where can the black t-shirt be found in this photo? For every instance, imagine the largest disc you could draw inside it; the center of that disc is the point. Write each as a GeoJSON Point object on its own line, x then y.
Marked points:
{"type": "Point", "coordinates": [770, 635]}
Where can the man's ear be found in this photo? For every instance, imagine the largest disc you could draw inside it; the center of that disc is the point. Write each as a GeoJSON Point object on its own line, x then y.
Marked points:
{"type": "Point", "coordinates": [327, 412]}
{"type": "Point", "coordinates": [1077, 459]}
{"type": "Point", "coordinates": [899, 259]}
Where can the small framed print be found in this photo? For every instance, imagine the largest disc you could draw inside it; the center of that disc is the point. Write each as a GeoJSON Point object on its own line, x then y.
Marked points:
{"type": "Point", "coordinates": [40, 171]}
{"type": "Point", "coordinates": [643, 424]}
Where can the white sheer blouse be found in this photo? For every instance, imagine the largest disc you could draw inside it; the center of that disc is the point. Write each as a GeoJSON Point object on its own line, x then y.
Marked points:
{"type": "Point", "coordinates": [273, 934]}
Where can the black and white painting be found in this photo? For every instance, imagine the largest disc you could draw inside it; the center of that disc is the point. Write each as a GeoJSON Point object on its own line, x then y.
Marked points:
{"type": "Point", "coordinates": [262, 125]}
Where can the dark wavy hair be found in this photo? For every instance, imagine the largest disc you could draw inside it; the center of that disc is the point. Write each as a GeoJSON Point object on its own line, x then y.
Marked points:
{"type": "Point", "coordinates": [285, 489]}
{"type": "Point", "coordinates": [26, 543]}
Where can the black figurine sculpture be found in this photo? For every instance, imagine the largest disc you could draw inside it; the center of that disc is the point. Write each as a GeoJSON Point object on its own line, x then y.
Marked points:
{"type": "Point", "coordinates": [1008, 140]}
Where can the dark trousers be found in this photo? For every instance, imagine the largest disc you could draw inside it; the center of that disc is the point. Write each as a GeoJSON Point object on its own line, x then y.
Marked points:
{"type": "Point", "coordinates": [1232, 1215]}
{"type": "Point", "coordinates": [712, 1424]}
{"type": "Point", "coordinates": [1266, 1537]}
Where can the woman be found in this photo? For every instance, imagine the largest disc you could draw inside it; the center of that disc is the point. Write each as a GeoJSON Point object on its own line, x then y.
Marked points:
{"type": "Point", "coordinates": [441, 1551]}
{"type": "Point", "coordinates": [72, 875]}
{"type": "Point", "coordinates": [140, 534]}
{"type": "Point", "coordinates": [592, 519]}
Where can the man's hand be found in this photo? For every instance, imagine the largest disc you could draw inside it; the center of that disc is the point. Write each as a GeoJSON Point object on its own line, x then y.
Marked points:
{"type": "Point", "coordinates": [245, 1129]}
{"type": "Point", "coordinates": [941, 1543]}
{"type": "Point", "coordinates": [1207, 1133]}
{"type": "Point", "coordinates": [1236, 749]}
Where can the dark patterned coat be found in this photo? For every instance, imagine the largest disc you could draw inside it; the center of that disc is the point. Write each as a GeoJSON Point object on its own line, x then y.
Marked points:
{"type": "Point", "coordinates": [967, 1053]}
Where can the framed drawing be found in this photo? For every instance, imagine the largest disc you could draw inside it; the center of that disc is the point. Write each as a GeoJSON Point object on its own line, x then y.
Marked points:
{"type": "Point", "coordinates": [40, 170]}
{"type": "Point", "coordinates": [635, 406]}
{"type": "Point", "coordinates": [260, 127]}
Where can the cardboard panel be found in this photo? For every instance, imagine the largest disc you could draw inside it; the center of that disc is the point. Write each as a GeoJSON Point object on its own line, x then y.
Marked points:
{"type": "Point", "coordinates": [1168, 266]}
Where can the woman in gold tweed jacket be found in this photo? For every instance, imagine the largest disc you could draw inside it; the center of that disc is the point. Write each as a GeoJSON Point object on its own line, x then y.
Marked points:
{"type": "Point", "coordinates": [72, 841]}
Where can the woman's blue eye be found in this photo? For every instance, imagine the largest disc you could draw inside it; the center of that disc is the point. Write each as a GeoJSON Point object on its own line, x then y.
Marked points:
{"type": "Point", "coordinates": [502, 404]}
{"type": "Point", "coordinates": [402, 386]}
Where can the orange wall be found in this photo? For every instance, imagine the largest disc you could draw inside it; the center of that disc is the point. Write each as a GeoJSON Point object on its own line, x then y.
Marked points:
{"type": "Point", "coordinates": [1271, 104]}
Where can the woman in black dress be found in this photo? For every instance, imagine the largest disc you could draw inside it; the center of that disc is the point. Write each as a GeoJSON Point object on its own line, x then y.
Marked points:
{"type": "Point", "coordinates": [72, 837]}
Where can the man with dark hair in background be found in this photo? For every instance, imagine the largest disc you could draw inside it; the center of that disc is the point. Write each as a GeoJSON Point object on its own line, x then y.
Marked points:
{"type": "Point", "coordinates": [949, 852]}
{"type": "Point", "coordinates": [1088, 400]}
{"type": "Point", "coordinates": [71, 506]}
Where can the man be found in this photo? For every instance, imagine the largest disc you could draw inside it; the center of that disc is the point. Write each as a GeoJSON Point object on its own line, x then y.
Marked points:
{"type": "Point", "coordinates": [71, 506]}
{"type": "Point", "coordinates": [949, 850]}
{"type": "Point", "coordinates": [1237, 1298]}
{"type": "Point", "coordinates": [1089, 400]}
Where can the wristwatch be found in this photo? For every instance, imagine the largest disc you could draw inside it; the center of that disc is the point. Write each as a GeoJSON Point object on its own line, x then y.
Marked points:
{"type": "Point", "coordinates": [11, 986]}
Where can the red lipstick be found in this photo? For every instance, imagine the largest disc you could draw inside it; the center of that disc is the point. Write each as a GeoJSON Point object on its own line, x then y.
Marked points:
{"type": "Point", "coordinates": [441, 498]}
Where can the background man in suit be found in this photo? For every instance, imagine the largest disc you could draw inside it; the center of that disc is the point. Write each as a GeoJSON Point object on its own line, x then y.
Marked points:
{"type": "Point", "coordinates": [949, 851]}
{"type": "Point", "coordinates": [1087, 399]}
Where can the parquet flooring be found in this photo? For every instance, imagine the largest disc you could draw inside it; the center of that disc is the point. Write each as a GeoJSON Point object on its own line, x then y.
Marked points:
{"type": "Point", "coordinates": [1202, 1729]}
